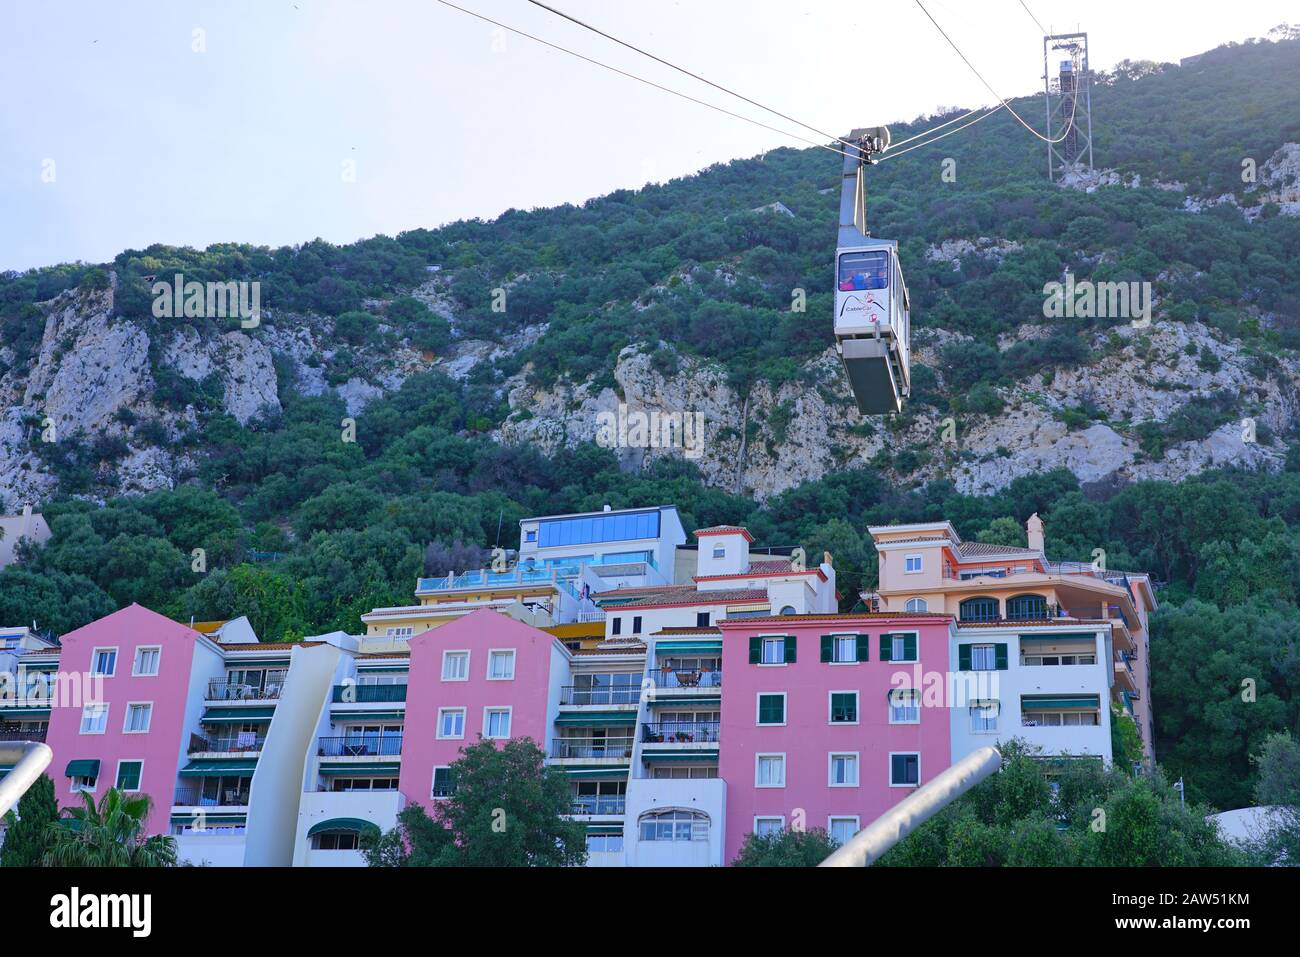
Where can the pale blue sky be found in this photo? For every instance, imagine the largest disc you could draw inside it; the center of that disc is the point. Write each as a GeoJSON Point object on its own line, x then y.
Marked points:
{"type": "Point", "coordinates": [153, 142]}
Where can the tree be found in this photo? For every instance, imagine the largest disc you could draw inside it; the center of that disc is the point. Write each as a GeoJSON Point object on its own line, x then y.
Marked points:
{"type": "Point", "coordinates": [1003, 531]}
{"type": "Point", "coordinates": [1094, 816]}
{"type": "Point", "coordinates": [789, 848]}
{"type": "Point", "coordinates": [108, 835]}
{"type": "Point", "coordinates": [1278, 787]}
{"type": "Point", "coordinates": [507, 809]}
{"type": "Point", "coordinates": [1125, 740]}
{"type": "Point", "coordinates": [27, 836]}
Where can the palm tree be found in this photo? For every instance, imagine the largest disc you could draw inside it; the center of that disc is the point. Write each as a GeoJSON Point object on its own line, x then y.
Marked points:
{"type": "Point", "coordinates": [109, 835]}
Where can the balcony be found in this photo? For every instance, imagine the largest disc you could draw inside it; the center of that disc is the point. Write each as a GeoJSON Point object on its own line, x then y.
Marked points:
{"type": "Point", "coordinates": [531, 573]}
{"type": "Point", "coordinates": [243, 742]}
{"type": "Point", "coordinates": [366, 694]}
{"type": "Point", "coordinates": [586, 695]}
{"type": "Point", "coordinates": [595, 747]}
{"type": "Point", "coordinates": [360, 745]}
{"type": "Point", "coordinates": [670, 680]}
{"type": "Point", "coordinates": [247, 691]}
{"type": "Point", "coordinates": [680, 732]}
{"type": "Point", "coordinates": [194, 797]}
{"type": "Point", "coordinates": [13, 734]}
{"type": "Point", "coordinates": [607, 804]}
{"type": "Point", "coordinates": [1030, 567]}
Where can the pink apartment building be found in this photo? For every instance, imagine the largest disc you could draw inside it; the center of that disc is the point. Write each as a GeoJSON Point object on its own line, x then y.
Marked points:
{"type": "Point", "coordinates": [810, 733]}
{"type": "Point", "coordinates": [131, 733]}
{"type": "Point", "coordinates": [483, 674]}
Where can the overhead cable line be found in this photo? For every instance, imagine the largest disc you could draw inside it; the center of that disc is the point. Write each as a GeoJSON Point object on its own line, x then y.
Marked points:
{"type": "Point", "coordinates": [695, 76]}
{"type": "Point", "coordinates": [984, 116]}
{"type": "Point", "coordinates": [986, 83]}
{"type": "Point", "coordinates": [1034, 18]}
{"type": "Point", "coordinates": [639, 79]}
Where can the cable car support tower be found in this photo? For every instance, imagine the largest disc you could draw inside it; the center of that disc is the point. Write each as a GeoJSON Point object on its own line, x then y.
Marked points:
{"type": "Point", "coordinates": [1068, 95]}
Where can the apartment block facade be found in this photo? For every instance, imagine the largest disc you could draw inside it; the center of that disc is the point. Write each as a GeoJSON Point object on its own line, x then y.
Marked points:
{"type": "Point", "coordinates": [285, 754]}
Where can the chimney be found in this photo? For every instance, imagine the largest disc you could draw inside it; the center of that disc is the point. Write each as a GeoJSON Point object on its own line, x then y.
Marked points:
{"type": "Point", "coordinates": [1034, 530]}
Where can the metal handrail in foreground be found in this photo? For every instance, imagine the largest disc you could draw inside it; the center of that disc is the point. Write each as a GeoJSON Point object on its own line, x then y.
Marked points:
{"type": "Point", "coordinates": [29, 759]}
{"type": "Point", "coordinates": [867, 846]}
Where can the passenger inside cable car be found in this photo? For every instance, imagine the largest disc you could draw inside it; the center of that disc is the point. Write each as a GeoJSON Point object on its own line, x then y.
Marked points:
{"type": "Point", "coordinates": [864, 270]}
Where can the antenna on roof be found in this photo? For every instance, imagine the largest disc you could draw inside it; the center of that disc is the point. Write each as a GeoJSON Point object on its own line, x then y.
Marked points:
{"type": "Point", "coordinates": [191, 621]}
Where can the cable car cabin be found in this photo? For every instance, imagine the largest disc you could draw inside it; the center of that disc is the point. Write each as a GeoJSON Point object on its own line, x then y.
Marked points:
{"type": "Point", "coordinates": [871, 324]}
{"type": "Point", "coordinates": [871, 306]}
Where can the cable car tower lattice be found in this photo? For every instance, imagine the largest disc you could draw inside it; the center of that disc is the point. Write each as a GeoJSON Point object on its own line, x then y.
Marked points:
{"type": "Point", "coordinates": [1069, 104]}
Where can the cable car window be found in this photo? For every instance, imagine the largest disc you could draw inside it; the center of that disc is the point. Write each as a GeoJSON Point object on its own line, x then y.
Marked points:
{"type": "Point", "coordinates": [868, 270]}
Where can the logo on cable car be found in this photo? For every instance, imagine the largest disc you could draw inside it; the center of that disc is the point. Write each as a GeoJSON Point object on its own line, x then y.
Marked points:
{"type": "Point", "coordinates": [870, 308]}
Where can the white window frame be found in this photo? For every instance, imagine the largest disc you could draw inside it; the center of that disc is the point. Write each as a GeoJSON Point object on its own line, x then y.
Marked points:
{"type": "Point", "coordinates": [785, 709]}
{"type": "Point", "coordinates": [135, 662]}
{"type": "Point", "coordinates": [126, 717]}
{"type": "Point", "coordinates": [997, 717]}
{"type": "Point", "coordinates": [455, 651]}
{"type": "Point", "coordinates": [75, 788]}
{"type": "Point", "coordinates": [81, 728]}
{"type": "Point", "coordinates": [769, 817]}
{"type": "Point", "coordinates": [899, 636]}
{"type": "Point", "coordinates": [434, 780]}
{"type": "Point", "coordinates": [94, 657]}
{"type": "Point", "coordinates": [399, 631]}
{"type": "Point", "coordinates": [719, 552]}
{"type": "Point", "coordinates": [451, 737]}
{"type": "Point", "coordinates": [991, 648]}
{"type": "Point", "coordinates": [510, 718]}
{"type": "Point", "coordinates": [764, 639]}
{"type": "Point", "coordinates": [836, 638]}
{"type": "Point", "coordinates": [890, 769]}
{"type": "Point", "coordinates": [492, 652]}
{"type": "Point", "coordinates": [830, 707]}
{"type": "Point", "coordinates": [919, 557]}
{"type": "Point", "coordinates": [830, 768]}
{"type": "Point", "coordinates": [916, 696]}
{"type": "Point", "coordinates": [758, 761]}
{"type": "Point", "coordinates": [118, 775]}
{"type": "Point", "coordinates": [917, 611]}
{"type": "Point", "coordinates": [832, 818]}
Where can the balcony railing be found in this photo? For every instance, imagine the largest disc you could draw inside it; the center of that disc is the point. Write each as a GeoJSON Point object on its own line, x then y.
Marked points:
{"type": "Point", "coordinates": [685, 679]}
{"type": "Point", "coordinates": [600, 804]}
{"type": "Point", "coordinates": [194, 797]}
{"type": "Point", "coordinates": [360, 745]}
{"type": "Point", "coordinates": [591, 747]}
{"type": "Point", "coordinates": [240, 741]}
{"type": "Point", "coordinates": [247, 691]}
{"type": "Point", "coordinates": [623, 694]}
{"type": "Point", "coordinates": [13, 734]}
{"type": "Point", "coordinates": [354, 693]}
{"type": "Point", "coordinates": [527, 574]}
{"type": "Point", "coordinates": [1012, 569]}
{"type": "Point", "coordinates": [679, 732]}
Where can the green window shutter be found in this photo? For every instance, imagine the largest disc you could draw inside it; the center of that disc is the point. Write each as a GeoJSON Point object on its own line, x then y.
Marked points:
{"type": "Point", "coordinates": [844, 707]}
{"type": "Point", "coordinates": [886, 647]}
{"type": "Point", "coordinates": [828, 647]}
{"type": "Point", "coordinates": [909, 647]}
{"type": "Point", "coordinates": [128, 776]}
{"type": "Point", "coordinates": [771, 709]}
{"type": "Point", "coordinates": [1001, 652]}
{"type": "Point", "coordinates": [963, 657]}
{"type": "Point", "coordinates": [789, 649]}
{"type": "Point", "coordinates": [864, 647]}
{"type": "Point", "coordinates": [896, 771]}
{"type": "Point", "coordinates": [755, 650]}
